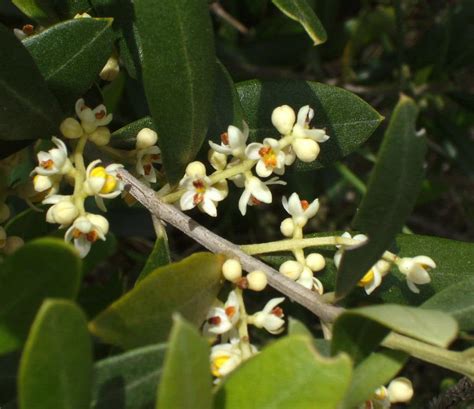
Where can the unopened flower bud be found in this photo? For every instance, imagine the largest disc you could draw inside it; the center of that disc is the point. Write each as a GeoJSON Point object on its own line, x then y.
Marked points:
{"type": "Point", "coordinates": [3, 237]}
{"type": "Point", "coordinates": [12, 244]}
{"type": "Point", "coordinates": [4, 212]}
{"type": "Point", "coordinates": [71, 128]}
{"type": "Point", "coordinates": [292, 269]}
{"type": "Point", "coordinates": [257, 280]}
{"type": "Point", "coordinates": [145, 138]}
{"type": "Point", "coordinates": [217, 160]}
{"type": "Point", "coordinates": [287, 227]}
{"type": "Point", "coordinates": [42, 183]}
{"type": "Point", "coordinates": [306, 149]}
{"type": "Point", "coordinates": [400, 390]}
{"type": "Point", "coordinates": [315, 261]}
{"type": "Point", "coordinates": [111, 69]}
{"type": "Point", "coordinates": [64, 212]}
{"type": "Point", "coordinates": [283, 119]}
{"type": "Point", "coordinates": [101, 136]}
{"type": "Point", "coordinates": [232, 270]}
{"type": "Point", "coordinates": [196, 169]}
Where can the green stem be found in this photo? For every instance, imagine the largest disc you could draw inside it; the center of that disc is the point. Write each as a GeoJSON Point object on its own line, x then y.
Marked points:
{"type": "Point", "coordinates": [461, 362]}
{"type": "Point", "coordinates": [242, 327]}
{"type": "Point", "coordinates": [79, 175]}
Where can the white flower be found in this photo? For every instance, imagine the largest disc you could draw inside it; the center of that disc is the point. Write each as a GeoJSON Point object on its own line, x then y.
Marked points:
{"type": "Point", "coordinates": [400, 390]}
{"type": "Point", "coordinates": [87, 230]}
{"type": "Point", "coordinates": [269, 155]}
{"type": "Point", "coordinates": [62, 212]}
{"type": "Point", "coordinates": [307, 280]}
{"type": "Point", "coordinates": [55, 161]}
{"type": "Point", "coordinates": [270, 317]}
{"type": "Point", "coordinates": [283, 119]}
{"type": "Point", "coordinates": [200, 192]}
{"type": "Point", "coordinates": [254, 189]}
{"type": "Point", "coordinates": [49, 184]}
{"type": "Point", "coordinates": [145, 160]}
{"type": "Point", "coordinates": [103, 182]}
{"type": "Point", "coordinates": [416, 270]}
{"type": "Point", "coordinates": [300, 210]}
{"type": "Point", "coordinates": [146, 137]}
{"type": "Point", "coordinates": [222, 319]}
{"type": "Point", "coordinates": [91, 119]}
{"type": "Point", "coordinates": [302, 129]}
{"type": "Point", "coordinates": [291, 269]}
{"type": "Point", "coordinates": [225, 358]}
{"type": "Point", "coordinates": [233, 142]}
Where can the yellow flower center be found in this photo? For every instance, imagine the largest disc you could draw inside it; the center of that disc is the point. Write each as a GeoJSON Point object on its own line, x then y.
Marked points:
{"type": "Point", "coordinates": [110, 181]}
{"type": "Point", "coordinates": [217, 364]}
{"type": "Point", "coordinates": [99, 172]}
{"type": "Point", "coordinates": [268, 156]}
{"type": "Point", "coordinates": [367, 279]}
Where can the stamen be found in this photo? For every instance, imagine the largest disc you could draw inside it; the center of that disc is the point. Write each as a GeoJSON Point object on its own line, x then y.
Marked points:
{"type": "Point", "coordinates": [230, 311]}
{"type": "Point", "coordinates": [304, 204]}
{"type": "Point", "coordinates": [225, 138]}
{"type": "Point", "coordinates": [199, 185]}
{"type": "Point", "coordinates": [278, 312]}
{"type": "Point", "coordinates": [92, 236]}
{"type": "Point", "coordinates": [214, 320]}
{"type": "Point", "coordinates": [198, 198]}
{"type": "Point", "coordinates": [254, 201]}
{"type": "Point", "coordinates": [47, 164]}
{"type": "Point", "coordinates": [28, 29]}
{"type": "Point", "coordinates": [100, 114]}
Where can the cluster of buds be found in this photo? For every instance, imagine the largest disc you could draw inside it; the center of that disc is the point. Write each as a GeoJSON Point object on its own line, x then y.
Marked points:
{"type": "Point", "coordinates": [228, 321]}
{"type": "Point", "coordinates": [415, 269]}
{"type": "Point", "coordinates": [297, 140]}
{"type": "Point", "coordinates": [399, 390]}
{"type": "Point", "coordinates": [301, 269]}
{"type": "Point", "coordinates": [97, 181]}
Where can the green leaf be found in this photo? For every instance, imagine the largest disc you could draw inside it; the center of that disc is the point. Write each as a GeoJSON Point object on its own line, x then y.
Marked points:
{"type": "Point", "coordinates": [71, 54]}
{"type": "Point", "coordinates": [295, 327]}
{"type": "Point", "coordinates": [67, 9]}
{"type": "Point", "coordinates": [128, 381]}
{"type": "Point", "coordinates": [159, 256]}
{"type": "Point", "coordinates": [227, 108]}
{"type": "Point", "coordinates": [376, 370]}
{"type": "Point", "coordinates": [8, 148]}
{"type": "Point", "coordinates": [287, 374]}
{"type": "Point", "coordinates": [301, 11]}
{"type": "Point", "coordinates": [29, 224]}
{"type": "Point", "coordinates": [23, 94]}
{"type": "Point", "coordinates": [126, 137]}
{"type": "Point", "coordinates": [178, 65]}
{"type": "Point", "coordinates": [186, 369]}
{"type": "Point", "coordinates": [432, 327]}
{"type": "Point", "coordinates": [349, 120]}
{"type": "Point", "coordinates": [40, 269]}
{"type": "Point", "coordinates": [391, 194]}
{"type": "Point", "coordinates": [41, 11]}
{"type": "Point", "coordinates": [56, 364]}
{"type": "Point", "coordinates": [144, 315]}
{"type": "Point", "coordinates": [458, 301]}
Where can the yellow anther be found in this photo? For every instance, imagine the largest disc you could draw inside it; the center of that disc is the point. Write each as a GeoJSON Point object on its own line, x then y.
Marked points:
{"type": "Point", "coordinates": [99, 172]}
{"type": "Point", "coordinates": [367, 279]}
{"type": "Point", "coordinates": [217, 364]}
{"type": "Point", "coordinates": [109, 185]}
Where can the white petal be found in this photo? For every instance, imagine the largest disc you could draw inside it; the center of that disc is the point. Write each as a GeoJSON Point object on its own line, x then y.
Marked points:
{"type": "Point", "coordinates": [312, 209]}
{"type": "Point", "coordinates": [305, 115]}
{"type": "Point", "coordinates": [226, 150]}
{"type": "Point", "coordinates": [213, 194]}
{"type": "Point", "coordinates": [369, 288]}
{"type": "Point", "coordinates": [270, 305]}
{"type": "Point", "coordinates": [262, 170]}
{"type": "Point", "coordinates": [294, 205]}
{"type": "Point", "coordinates": [425, 261]}
{"type": "Point", "coordinates": [252, 151]}
{"type": "Point", "coordinates": [243, 201]}
{"type": "Point", "coordinates": [236, 137]}
{"type": "Point", "coordinates": [413, 287]}
{"type": "Point", "coordinates": [260, 191]}
{"type": "Point", "coordinates": [100, 203]}
{"type": "Point", "coordinates": [92, 166]}
{"type": "Point", "coordinates": [83, 246]}
{"type": "Point", "coordinates": [187, 200]}
{"type": "Point", "coordinates": [419, 275]}
{"type": "Point", "coordinates": [208, 206]}
{"type": "Point", "coordinates": [79, 105]}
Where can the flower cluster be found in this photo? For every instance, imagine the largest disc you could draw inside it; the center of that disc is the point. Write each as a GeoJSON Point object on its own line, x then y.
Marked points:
{"type": "Point", "coordinates": [415, 269]}
{"type": "Point", "coordinates": [56, 166]}
{"type": "Point", "coordinates": [229, 321]}
{"type": "Point", "coordinates": [303, 268]}
{"type": "Point", "coordinates": [234, 159]}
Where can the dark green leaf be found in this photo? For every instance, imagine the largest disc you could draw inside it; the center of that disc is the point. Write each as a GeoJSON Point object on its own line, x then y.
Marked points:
{"type": "Point", "coordinates": [376, 370]}
{"type": "Point", "coordinates": [71, 54]}
{"type": "Point", "coordinates": [391, 194]}
{"type": "Point", "coordinates": [178, 75]}
{"type": "Point", "coordinates": [8, 148]}
{"type": "Point", "coordinates": [128, 381]}
{"type": "Point", "coordinates": [227, 108]}
{"type": "Point", "coordinates": [290, 374]}
{"type": "Point", "coordinates": [40, 269]}
{"type": "Point", "coordinates": [41, 11]}
{"type": "Point", "coordinates": [295, 327]}
{"type": "Point", "coordinates": [126, 137]}
{"type": "Point", "coordinates": [69, 8]}
{"type": "Point", "coordinates": [29, 224]}
{"type": "Point", "coordinates": [348, 119]}
{"type": "Point", "coordinates": [301, 11]}
{"type": "Point", "coordinates": [458, 301]}
{"type": "Point", "coordinates": [23, 94]}
{"type": "Point", "coordinates": [56, 364]}
{"type": "Point", "coordinates": [160, 256]}
{"type": "Point", "coordinates": [143, 315]}
{"type": "Point", "coordinates": [186, 369]}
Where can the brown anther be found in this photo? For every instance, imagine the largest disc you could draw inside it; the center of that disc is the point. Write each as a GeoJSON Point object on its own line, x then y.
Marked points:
{"type": "Point", "coordinates": [28, 29]}
{"type": "Point", "coordinates": [147, 169]}
{"type": "Point", "coordinates": [304, 204]}
{"type": "Point", "coordinates": [243, 283]}
{"type": "Point", "coordinates": [92, 236]}
{"type": "Point", "coordinates": [225, 138]}
{"type": "Point", "coordinates": [198, 184]}
{"type": "Point", "coordinates": [76, 233]}
{"type": "Point", "coordinates": [264, 151]}
{"type": "Point", "coordinates": [230, 311]}
{"type": "Point", "coordinates": [47, 164]}
{"type": "Point", "coordinates": [255, 201]}
{"type": "Point", "coordinates": [198, 198]}
{"type": "Point", "coordinates": [214, 320]}
{"type": "Point", "coordinates": [100, 114]}
{"type": "Point", "coordinates": [278, 312]}
{"type": "Point", "coordinates": [156, 156]}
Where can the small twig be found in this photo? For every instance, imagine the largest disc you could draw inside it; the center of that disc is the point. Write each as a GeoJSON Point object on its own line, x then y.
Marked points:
{"type": "Point", "coordinates": [217, 244]}
{"type": "Point", "coordinates": [462, 392]}
{"type": "Point", "coordinates": [218, 10]}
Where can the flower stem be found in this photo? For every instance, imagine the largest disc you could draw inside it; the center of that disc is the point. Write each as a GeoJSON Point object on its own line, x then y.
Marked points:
{"type": "Point", "coordinates": [242, 327]}
{"type": "Point", "coordinates": [79, 175]}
